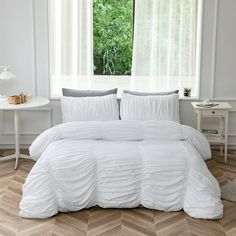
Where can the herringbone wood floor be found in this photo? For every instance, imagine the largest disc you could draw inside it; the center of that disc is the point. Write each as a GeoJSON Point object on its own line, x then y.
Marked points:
{"type": "Point", "coordinates": [131, 222]}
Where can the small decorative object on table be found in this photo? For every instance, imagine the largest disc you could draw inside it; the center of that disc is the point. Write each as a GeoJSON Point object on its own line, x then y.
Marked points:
{"type": "Point", "coordinates": [207, 105]}
{"type": "Point", "coordinates": [187, 92]}
{"type": "Point", "coordinates": [18, 99]}
{"type": "Point", "coordinates": [5, 76]}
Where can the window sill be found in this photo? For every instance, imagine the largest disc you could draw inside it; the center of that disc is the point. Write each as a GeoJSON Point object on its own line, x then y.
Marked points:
{"type": "Point", "coordinates": [122, 82]}
{"type": "Point", "coordinates": [181, 98]}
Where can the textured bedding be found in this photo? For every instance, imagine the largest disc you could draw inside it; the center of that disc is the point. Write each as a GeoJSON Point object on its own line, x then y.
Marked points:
{"type": "Point", "coordinates": [120, 164]}
{"type": "Point", "coordinates": [152, 107]}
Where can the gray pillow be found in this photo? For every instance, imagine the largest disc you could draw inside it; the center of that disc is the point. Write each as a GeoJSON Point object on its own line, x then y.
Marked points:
{"type": "Point", "coordinates": [150, 93]}
{"type": "Point", "coordinates": [87, 93]}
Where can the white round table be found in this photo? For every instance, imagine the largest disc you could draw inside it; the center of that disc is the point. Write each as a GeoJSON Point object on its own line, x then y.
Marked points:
{"type": "Point", "coordinates": [32, 103]}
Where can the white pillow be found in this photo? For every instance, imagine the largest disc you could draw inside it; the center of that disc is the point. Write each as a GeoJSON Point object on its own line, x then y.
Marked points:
{"type": "Point", "coordinates": [102, 108]}
{"type": "Point", "coordinates": [164, 107]}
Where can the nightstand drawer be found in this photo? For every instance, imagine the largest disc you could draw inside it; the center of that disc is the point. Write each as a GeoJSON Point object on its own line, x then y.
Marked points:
{"type": "Point", "coordinates": [213, 112]}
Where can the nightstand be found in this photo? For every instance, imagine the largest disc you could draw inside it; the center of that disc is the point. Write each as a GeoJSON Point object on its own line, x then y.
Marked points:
{"type": "Point", "coordinates": [32, 103]}
{"type": "Point", "coordinates": [222, 112]}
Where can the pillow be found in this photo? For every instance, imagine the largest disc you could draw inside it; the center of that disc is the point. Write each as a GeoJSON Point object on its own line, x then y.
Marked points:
{"type": "Point", "coordinates": [103, 108]}
{"type": "Point", "coordinates": [150, 93]}
{"type": "Point", "coordinates": [87, 93]}
{"type": "Point", "coordinates": [164, 107]}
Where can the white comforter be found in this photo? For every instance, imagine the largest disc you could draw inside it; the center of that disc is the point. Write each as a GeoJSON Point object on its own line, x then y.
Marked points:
{"type": "Point", "coordinates": [121, 164]}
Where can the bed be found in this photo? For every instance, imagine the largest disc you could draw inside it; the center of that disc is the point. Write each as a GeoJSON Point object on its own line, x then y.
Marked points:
{"type": "Point", "coordinates": [157, 164]}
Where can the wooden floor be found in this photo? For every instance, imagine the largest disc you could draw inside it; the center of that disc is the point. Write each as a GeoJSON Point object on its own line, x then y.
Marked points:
{"type": "Point", "coordinates": [111, 221]}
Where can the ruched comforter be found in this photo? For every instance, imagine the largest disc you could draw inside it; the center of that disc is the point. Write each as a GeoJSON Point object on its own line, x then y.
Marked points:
{"type": "Point", "coordinates": [120, 164]}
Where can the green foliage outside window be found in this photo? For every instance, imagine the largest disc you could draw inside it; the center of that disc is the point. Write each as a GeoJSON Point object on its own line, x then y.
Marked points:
{"type": "Point", "coordinates": [112, 32]}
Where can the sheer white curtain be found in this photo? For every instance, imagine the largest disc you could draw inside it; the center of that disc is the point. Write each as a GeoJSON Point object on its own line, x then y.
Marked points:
{"type": "Point", "coordinates": [164, 53]}
{"type": "Point", "coordinates": [70, 44]}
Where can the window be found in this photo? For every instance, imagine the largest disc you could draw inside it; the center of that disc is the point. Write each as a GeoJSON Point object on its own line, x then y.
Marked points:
{"type": "Point", "coordinates": [144, 45]}
{"type": "Point", "coordinates": [166, 45]}
{"type": "Point", "coordinates": [112, 36]}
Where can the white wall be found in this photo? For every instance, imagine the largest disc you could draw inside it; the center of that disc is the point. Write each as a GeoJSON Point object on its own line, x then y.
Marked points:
{"type": "Point", "coordinates": [23, 46]}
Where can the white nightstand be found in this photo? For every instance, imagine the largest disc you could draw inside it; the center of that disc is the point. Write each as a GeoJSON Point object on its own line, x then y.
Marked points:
{"type": "Point", "coordinates": [222, 112]}
{"type": "Point", "coordinates": [32, 103]}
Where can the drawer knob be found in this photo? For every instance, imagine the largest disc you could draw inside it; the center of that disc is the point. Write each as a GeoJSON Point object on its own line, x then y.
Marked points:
{"type": "Point", "coordinates": [213, 112]}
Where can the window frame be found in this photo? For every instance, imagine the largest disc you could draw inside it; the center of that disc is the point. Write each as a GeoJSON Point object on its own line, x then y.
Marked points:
{"type": "Point", "coordinates": [111, 78]}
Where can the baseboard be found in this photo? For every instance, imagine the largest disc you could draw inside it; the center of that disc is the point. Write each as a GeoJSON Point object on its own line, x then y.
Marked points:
{"type": "Point", "coordinates": [12, 146]}
{"type": "Point", "coordinates": [231, 146]}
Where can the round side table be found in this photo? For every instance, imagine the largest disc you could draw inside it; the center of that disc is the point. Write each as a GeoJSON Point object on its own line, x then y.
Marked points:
{"type": "Point", "coordinates": [32, 103]}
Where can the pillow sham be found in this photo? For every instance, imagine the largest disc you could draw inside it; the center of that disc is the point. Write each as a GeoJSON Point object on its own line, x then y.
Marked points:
{"type": "Point", "coordinates": [151, 93]}
{"type": "Point", "coordinates": [103, 108]}
{"type": "Point", "coordinates": [164, 107]}
{"type": "Point", "coordinates": [87, 93]}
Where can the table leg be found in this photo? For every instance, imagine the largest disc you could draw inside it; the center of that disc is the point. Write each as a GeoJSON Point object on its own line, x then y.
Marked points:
{"type": "Point", "coordinates": [17, 146]}
{"type": "Point", "coordinates": [199, 121]}
{"type": "Point", "coordinates": [226, 136]}
{"type": "Point", "coordinates": [221, 133]}
{"type": "Point", "coordinates": [17, 154]}
{"type": "Point", "coordinates": [195, 119]}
